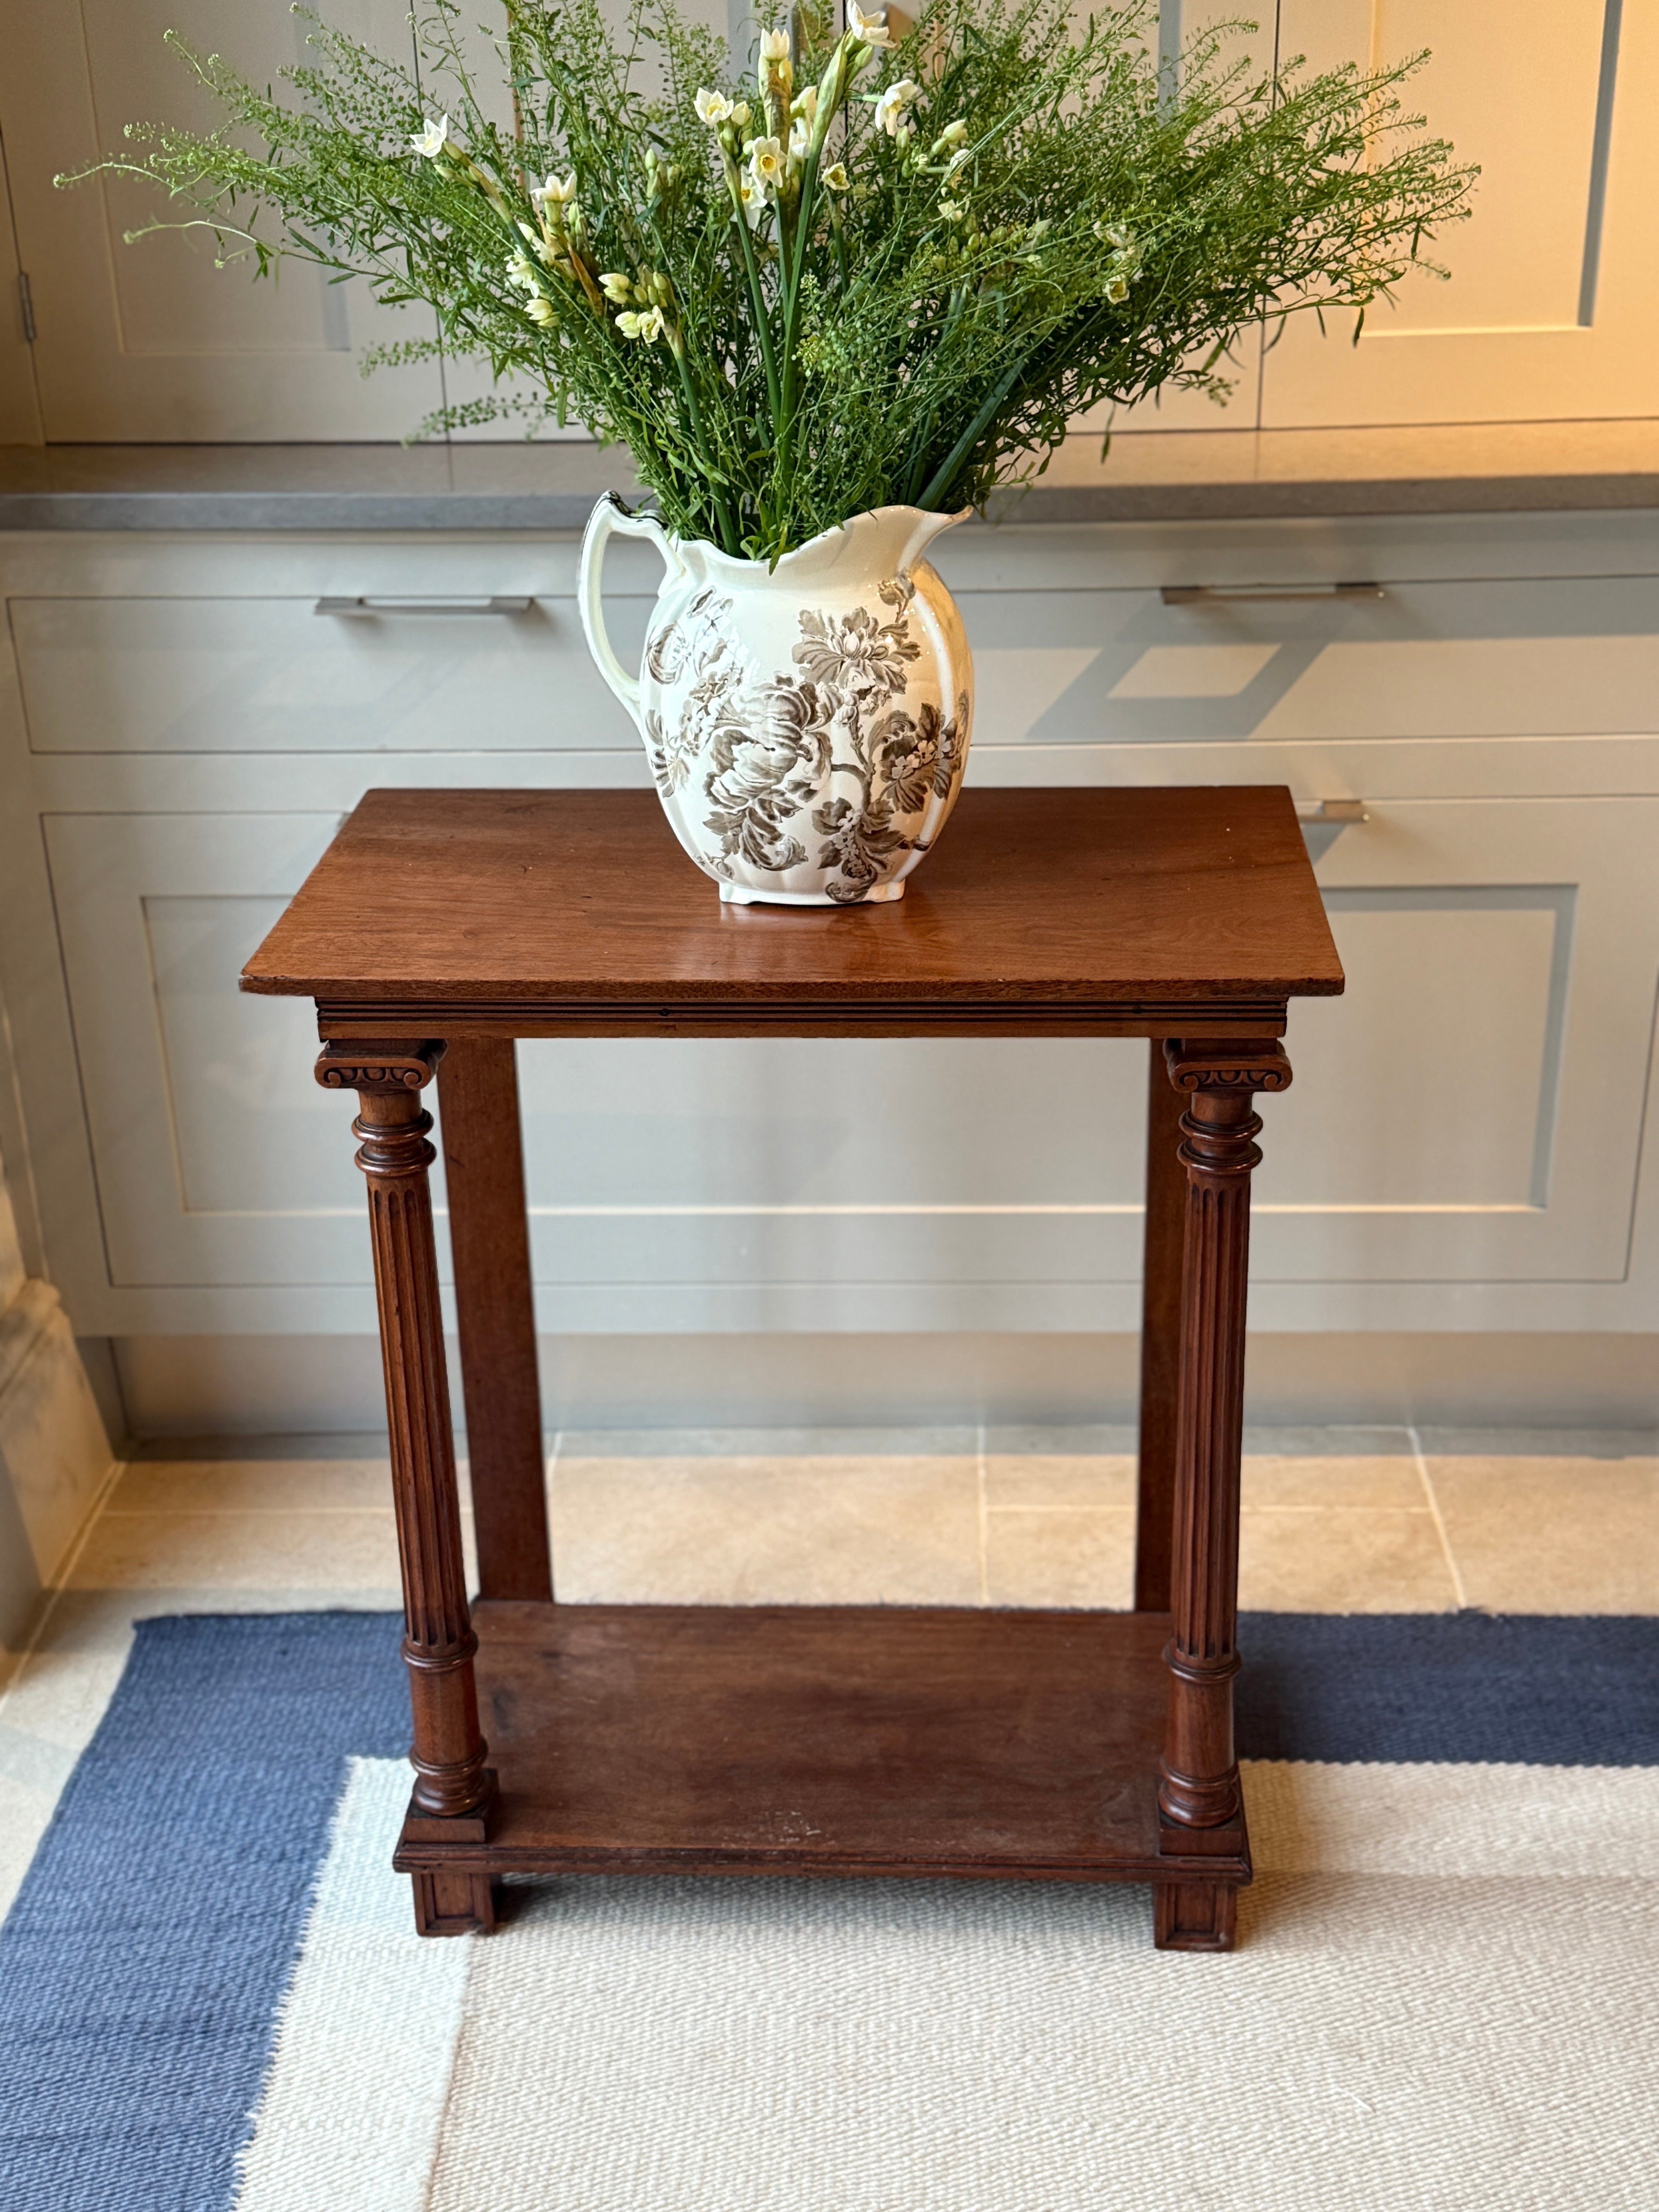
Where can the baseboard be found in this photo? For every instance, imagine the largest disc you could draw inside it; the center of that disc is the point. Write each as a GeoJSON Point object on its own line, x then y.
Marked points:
{"type": "Point", "coordinates": [293, 1385]}
{"type": "Point", "coordinates": [54, 1452]}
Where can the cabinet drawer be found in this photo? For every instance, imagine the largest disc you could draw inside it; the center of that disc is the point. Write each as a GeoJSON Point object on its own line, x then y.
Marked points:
{"type": "Point", "coordinates": [133, 675]}
{"type": "Point", "coordinates": [1550, 657]}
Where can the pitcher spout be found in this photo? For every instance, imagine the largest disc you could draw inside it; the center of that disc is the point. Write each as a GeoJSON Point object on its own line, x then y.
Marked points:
{"type": "Point", "coordinates": [925, 528]}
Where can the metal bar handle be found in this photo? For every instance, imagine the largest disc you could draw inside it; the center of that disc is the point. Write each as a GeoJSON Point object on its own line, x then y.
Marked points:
{"type": "Point", "coordinates": [357, 609]}
{"type": "Point", "coordinates": [1331, 809]}
{"type": "Point", "coordinates": [1187, 595]}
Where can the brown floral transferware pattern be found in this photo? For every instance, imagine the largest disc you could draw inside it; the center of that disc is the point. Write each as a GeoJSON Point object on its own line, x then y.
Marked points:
{"type": "Point", "coordinates": [806, 725]}
{"type": "Point", "coordinates": [766, 749]}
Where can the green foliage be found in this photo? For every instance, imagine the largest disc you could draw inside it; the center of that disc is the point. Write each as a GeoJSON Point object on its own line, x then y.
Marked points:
{"type": "Point", "coordinates": [891, 274]}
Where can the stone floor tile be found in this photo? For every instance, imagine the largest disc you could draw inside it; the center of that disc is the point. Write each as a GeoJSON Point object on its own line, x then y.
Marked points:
{"type": "Point", "coordinates": [1020, 1482]}
{"type": "Point", "coordinates": [1061, 1557]}
{"type": "Point", "coordinates": [804, 1531]}
{"type": "Point", "coordinates": [1349, 1560]}
{"type": "Point", "coordinates": [1274, 1482]}
{"type": "Point", "coordinates": [252, 1486]}
{"type": "Point", "coordinates": [1552, 1535]}
{"type": "Point", "coordinates": [348, 1550]}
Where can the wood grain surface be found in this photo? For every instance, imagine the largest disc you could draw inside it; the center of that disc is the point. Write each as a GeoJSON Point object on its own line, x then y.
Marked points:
{"type": "Point", "coordinates": [460, 909]}
{"type": "Point", "coordinates": [889, 1740]}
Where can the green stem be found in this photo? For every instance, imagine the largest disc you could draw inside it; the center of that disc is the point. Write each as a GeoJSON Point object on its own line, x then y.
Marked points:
{"type": "Point", "coordinates": [834, 206]}
{"type": "Point", "coordinates": [809, 181]}
{"type": "Point", "coordinates": [919, 444]}
{"type": "Point", "coordinates": [728, 534]}
{"type": "Point", "coordinates": [938, 482]}
{"type": "Point", "coordinates": [757, 290]}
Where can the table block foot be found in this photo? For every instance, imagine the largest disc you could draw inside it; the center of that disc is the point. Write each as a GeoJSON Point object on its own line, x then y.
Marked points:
{"type": "Point", "coordinates": [1194, 1916]}
{"type": "Point", "coordinates": [449, 1901]}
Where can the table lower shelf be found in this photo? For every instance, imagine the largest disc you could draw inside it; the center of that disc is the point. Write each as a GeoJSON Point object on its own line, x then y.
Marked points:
{"type": "Point", "coordinates": [834, 1739]}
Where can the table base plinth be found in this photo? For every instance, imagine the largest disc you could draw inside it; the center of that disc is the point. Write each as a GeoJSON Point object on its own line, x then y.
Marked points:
{"type": "Point", "coordinates": [830, 1740]}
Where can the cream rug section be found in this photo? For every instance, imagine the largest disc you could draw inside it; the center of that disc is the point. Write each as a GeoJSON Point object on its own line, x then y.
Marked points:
{"type": "Point", "coordinates": [350, 2114]}
{"type": "Point", "coordinates": [1442, 2003]}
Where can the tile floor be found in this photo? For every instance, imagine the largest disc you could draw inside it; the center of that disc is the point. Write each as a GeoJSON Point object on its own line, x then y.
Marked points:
{"type": "Point", "coordinates": [1335, 1520]}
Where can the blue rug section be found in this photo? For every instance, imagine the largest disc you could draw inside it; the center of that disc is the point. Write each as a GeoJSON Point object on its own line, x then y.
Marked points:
{"type": "Point", "coordinates": [1577, 1691]}
{"type": "Point", "coordinates": [143, 1961]}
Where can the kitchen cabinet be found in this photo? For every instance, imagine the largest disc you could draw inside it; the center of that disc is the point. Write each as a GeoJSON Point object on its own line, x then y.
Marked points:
{"type": "Point", "coordinates": [180, 734]}
{"type": "Point", "coordinates": [1550, 314]}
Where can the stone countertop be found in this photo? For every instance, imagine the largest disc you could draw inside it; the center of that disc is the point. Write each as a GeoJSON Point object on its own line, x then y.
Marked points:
{"type": "Point", "coordinates": [1148, 476]}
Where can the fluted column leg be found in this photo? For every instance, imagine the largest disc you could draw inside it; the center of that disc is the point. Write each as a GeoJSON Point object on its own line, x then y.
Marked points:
{"type": "Point", "coordinates": [452, 1781]}
{"type": "Point", "coordinates": [1200, 1806]}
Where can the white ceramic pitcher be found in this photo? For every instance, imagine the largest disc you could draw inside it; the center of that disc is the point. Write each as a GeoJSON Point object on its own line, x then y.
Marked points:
{"type": "Point", "coordinates": [806, 723]}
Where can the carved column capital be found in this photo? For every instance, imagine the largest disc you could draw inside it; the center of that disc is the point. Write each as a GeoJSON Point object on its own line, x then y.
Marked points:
{"type": "Point", "coordinates": [376, 1069]}
{"type": "Point", "coordinates": [1227, 1064]}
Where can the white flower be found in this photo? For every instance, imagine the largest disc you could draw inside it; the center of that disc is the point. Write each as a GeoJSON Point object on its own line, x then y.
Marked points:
{"type": "Point", "coordinates": [872, 30]}
{"type": "Point", "coordinates": [963, 154]}
{"type": "Point", "coordinates": [891, 107]}
{"type": "Point", "coordinates": [1117, 289]}
{"type": "Point", "coordinates": [432, 141]}
{"type": "Point", "coordinates": [775, 46]}
{"type": "Point", "coordinates": [1112, 233]}
{"type": "Point", "coordinates": [714, 108]}
{"type": "Point", "coordinates": [953, 210]}
{"type": "Point", "coordinates": [805, 105]}
{"type": "Point", "coordinates": [540, 309]}
{"type": "Point", "coordinates": [800, 138]}
{"type": "Point", "coordinates": [766, 164]}
{"type": "Point", "coordinates": [519, 272]}
{"type": "Point", "coordinates": [618, 289]}
{"type": "Point", "coordinates": [561, 191]}
{"type": "Point", "coordinates": [836, 177]}
{"type": "Point", "coordinates": [954, 133]}
{"type": "Point", "coordinates": [754, 201]}
{"type": "Point", "coordinates": [740, 115]}
{"type": "Point", "coordinates": [646, 325]}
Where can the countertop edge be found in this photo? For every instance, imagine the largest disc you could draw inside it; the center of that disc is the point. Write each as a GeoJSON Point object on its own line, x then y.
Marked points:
{"type": "Point", "coordinates": [566, 513]}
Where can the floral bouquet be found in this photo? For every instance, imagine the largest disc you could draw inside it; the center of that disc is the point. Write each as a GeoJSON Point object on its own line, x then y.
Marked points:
{"type": "Point", "coordinates": [876, 270]}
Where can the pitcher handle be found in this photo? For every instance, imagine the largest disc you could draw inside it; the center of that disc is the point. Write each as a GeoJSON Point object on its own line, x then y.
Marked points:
{"type": "Point", "coordinates": [608, 515]}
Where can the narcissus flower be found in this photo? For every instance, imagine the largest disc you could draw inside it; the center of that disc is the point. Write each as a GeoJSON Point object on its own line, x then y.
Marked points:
{"type": "Point", "coordinates": [557, 192]}
{"type": "Point", "coordinates": [432, 141]}
{"type": "Point", "coordinates": [714, 108]}
{"type": "Point", "coordinates": [767, 164]}
{"type": "Point", "coordinates": [869, 30]}
{"type": "Point", "coordinates": [892, 109]}
{"type": "Point", "coordinates": [540, 309]}
{"type": "Point", "coordinates": [645, 325]}
{"type": "Point", "coordinates": [836, 177]}
{"type": "Point", "coordinates": [617, 288]}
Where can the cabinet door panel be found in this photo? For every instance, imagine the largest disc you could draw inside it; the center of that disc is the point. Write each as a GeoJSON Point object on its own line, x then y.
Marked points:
{"type": "Point", "coordinates": [269, 675]}
{"type": "Point", "coordinates": [152, 341]}
{"type": "Point", "coordinates": [218, 1158]}
{"type": "Point", "coordinates": [1471, 1109]}
{"type": "Point", "coordinates": [1551, 312]}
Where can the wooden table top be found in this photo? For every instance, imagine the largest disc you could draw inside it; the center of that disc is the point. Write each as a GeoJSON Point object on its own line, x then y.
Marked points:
{"type": "Point", "coordinates": [1117, 912]}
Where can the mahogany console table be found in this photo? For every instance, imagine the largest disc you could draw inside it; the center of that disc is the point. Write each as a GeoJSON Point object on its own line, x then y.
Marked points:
{"type": "Point", "coordinates": [441, 926]}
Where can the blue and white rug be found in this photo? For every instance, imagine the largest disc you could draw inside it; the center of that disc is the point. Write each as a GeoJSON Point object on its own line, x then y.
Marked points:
{"type": "Point", "coordinates": [211, 1997]}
